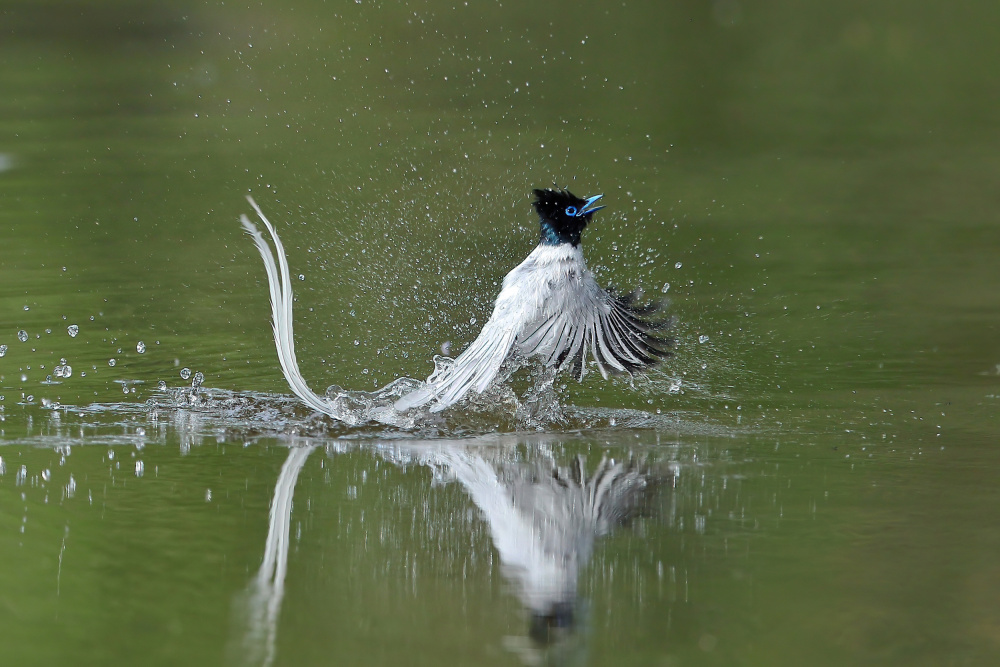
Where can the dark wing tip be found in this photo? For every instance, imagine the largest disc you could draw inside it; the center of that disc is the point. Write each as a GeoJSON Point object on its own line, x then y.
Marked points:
{"type": "Point", "coordinates": [636, 341]}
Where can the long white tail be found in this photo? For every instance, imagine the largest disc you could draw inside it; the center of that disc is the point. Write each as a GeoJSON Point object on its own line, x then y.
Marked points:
{"type": "Point", "coordinates": [280, 284]}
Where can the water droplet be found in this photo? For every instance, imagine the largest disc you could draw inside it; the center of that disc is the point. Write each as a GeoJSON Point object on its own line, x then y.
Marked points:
{"type": "Point", "coordinates": [472, 320]}
{"type": "Point", "coordinates": [301, 277]}
{"type": "Point", "coordinates": [26, 308]}
{"type": "Point", "coordinates": [22, 335]}
{"type": "Point", "coordinates": [185, 373]}
{"type": "Point", "coordinates": [208, 495]}
{"type": "Point", "coordinates": [161, 385]}
{"type": "Point", "coordinates": [112, 362]}
{"type": "Point", "coordinates": [140, 467]}
{"type": "Point", "coordinates": [67, 370]}
{"type": "Point", "coordinates": [678, 265]}
{"type": "Point", "coordinates": [703, 338]}
{"type": "Point", "coordinates": [3, 350]}
{"type": "Point", "coordinates": [46, 474]}
{"type": "Point", "coordinates": [72, 330]}
{"type": "Point", "coordinates": [140, 347]}
{"type": "Point", "coordinates": [22, 474]}
{"type": "Point", "coordinates": [665, 288]}
{"type": "Point", "coordinates": [199, 377]}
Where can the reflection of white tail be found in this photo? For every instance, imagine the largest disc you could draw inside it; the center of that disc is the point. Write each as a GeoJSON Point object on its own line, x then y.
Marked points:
{"type": "Point", "coordinates": [264, 594]}
{"type": "Point", "coordinates": [280, 283]}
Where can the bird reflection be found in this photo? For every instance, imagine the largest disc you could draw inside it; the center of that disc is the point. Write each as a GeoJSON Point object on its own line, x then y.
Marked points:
{"type": "Point", "coordinates": [543, 519]}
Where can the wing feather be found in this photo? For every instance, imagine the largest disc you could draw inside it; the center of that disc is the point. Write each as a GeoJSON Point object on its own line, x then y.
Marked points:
{"type": "Point", "coordinates": [475, 369]}
{"type": "Point", "coordinates": [591, 322]}
{"type": "Point", "coordinates": [552, 307]}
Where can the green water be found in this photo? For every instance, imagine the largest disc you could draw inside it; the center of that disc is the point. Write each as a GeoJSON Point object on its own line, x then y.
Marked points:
{"type": "Point", "coordinates": [816, 184]}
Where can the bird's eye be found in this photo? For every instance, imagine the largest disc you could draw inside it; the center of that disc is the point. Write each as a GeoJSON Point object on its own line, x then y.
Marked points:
{"type": "Point", "coordinates": [571, 211]}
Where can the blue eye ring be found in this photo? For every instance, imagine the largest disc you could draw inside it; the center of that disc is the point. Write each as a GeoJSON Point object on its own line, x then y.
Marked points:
{"type": "Point", "coordinates": [571, 211]}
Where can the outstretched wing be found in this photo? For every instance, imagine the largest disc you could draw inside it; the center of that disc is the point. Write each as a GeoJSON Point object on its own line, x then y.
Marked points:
{"type": "Point", "coordinates": [588, 321]}
{"type": "Point", "coordinates": [475, 368]}
{"type": "Point", "coordinates": [550, 306]}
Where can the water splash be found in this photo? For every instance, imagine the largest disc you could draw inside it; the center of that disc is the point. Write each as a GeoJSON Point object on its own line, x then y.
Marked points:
{"type": "Point", "coordinates": [538, 407]}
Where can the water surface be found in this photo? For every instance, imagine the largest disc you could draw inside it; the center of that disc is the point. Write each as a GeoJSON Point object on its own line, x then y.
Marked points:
{"type": "Point", "coordinates": [813, 188]}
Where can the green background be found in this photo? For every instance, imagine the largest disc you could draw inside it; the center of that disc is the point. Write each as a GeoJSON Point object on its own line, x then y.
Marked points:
{"type": "Point", "coordinates": [816, 183]}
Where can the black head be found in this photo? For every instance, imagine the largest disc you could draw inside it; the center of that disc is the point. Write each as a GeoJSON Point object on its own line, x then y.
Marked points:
{"type": "Point", "coordinates": [563, 215]}
{"type": "Point", "coordinates": [553, 625]}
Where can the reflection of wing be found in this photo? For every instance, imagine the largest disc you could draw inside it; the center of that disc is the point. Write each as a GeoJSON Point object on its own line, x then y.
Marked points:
{"type": "Point", "coordinates": [551, 306]}
{"type": "Point", "coordinates": [544, 518]}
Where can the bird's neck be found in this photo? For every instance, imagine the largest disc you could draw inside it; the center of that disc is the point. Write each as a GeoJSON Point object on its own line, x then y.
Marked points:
{"type": "Point", "coordinates": [552, 236]}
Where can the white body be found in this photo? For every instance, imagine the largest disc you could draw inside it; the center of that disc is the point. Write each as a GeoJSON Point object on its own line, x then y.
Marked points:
{"type": "Point", "coordinates": [549, 306]}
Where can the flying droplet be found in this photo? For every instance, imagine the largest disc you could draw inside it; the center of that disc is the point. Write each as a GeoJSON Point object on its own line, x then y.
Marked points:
{"type": "Point", "coordinates": [22, 335]}
{"type": "Point", "coordinates": [112, 362]}
{"type": "Point", "coordinates": [185, 373]}
{"type": "Point", "coordinates": [140, 347]}
{"type": "Point", "coordinates": [72, 330]}
{"type": "Point", "coordinates": [199, 377]}
{"type": "Point", "coordinates": [678, 265]}
{"type": "Point", "coordinates": [703, 338]}
{"type": "Point", "coordinates": [3, 350]}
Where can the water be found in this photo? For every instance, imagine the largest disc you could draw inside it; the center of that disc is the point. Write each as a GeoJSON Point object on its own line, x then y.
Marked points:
{"type": "Point", "coordinates": [812, 188]}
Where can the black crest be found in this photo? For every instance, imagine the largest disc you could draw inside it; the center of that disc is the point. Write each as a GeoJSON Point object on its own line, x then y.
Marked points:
{"type": "Point", "coordinates": [562, 215]}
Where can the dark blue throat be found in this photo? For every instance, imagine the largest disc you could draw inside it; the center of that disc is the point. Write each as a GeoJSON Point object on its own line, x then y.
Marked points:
{"type": "Point", "coordinates": [551, 235]}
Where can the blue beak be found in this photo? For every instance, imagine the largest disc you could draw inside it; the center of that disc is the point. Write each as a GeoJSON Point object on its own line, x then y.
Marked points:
{"type": "Point", "coordinates": [587, 210]}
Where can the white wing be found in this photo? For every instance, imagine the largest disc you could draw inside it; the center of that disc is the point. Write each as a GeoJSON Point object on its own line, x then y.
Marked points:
{"type": "Point", "coordinates": [476, 367]}
{"type": "Point", "coordinates": [587, 321]}
{"type": "Point", "coordinates": [550, 306]}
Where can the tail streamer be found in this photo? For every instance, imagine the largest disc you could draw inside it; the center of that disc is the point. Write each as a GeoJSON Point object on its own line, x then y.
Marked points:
{"type": "Point", "coordinates": [280, 284]}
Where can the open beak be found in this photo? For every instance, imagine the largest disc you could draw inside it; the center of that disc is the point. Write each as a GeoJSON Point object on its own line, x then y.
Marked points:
{"type": "Point", "coordinates": [587, 210]}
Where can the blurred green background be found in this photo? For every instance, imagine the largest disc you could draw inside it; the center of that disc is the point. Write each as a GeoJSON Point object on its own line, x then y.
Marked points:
{"type": "Point", "coordinates": [813, 186]}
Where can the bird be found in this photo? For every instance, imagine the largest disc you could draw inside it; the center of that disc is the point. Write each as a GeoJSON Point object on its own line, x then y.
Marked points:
{"type": "Point", "coordinates": [551, 307]}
